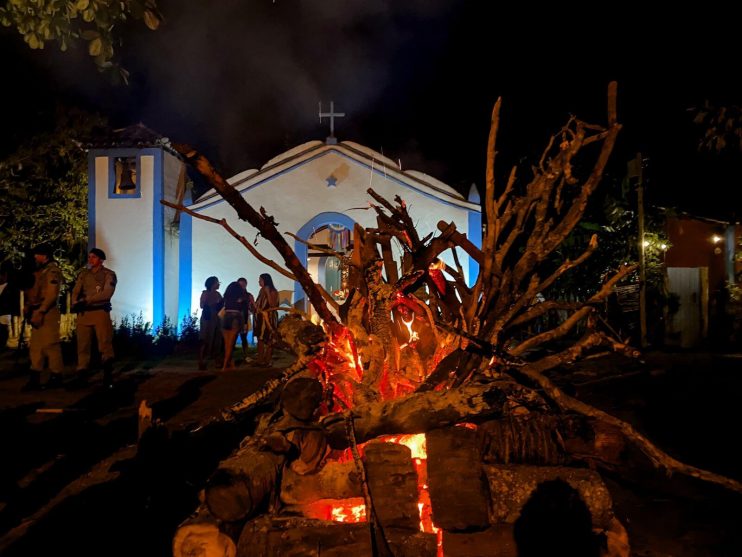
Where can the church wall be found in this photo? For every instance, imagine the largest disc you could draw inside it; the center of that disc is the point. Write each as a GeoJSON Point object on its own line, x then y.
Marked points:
{"type": "Point", "coordinates": [173, 169]}
{"type": "Point", "coordinates": [217, 253]}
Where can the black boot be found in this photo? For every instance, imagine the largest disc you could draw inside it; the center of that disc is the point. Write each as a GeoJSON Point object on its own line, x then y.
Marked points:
{"type": "Point", "coordinates": [55, 381]}
{"type": "Point", "coordinates": [34, 382]}
{"type": "Point", "coordinates": [108, 374]}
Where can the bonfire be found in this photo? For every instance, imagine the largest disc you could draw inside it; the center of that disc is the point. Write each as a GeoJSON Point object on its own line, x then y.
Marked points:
{"type": "Point", "coordinates": [417, 418]}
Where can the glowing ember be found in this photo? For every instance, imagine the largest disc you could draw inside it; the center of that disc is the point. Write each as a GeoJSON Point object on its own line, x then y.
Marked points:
{"type": "Point", "coordinates": [348, 513]}
{"type": "Point", "coordinates": [415, 442]}
{"type": "Point", "coordinates": [338, 510]}
{"type": "Point", "coordinates": [413, 336]}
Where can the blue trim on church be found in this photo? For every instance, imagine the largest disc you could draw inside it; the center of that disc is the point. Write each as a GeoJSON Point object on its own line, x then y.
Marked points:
{"type": "Point", "coordinates": [185, 264]}
{"type": "Point", "coordinates": [305, 232]}
{"type": "Point", "coordinates": [474, 234]}
{"type": "Point", "coordinates": [158, 237]}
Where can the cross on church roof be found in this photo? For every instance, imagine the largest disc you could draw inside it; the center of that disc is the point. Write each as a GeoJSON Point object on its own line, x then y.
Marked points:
{"type": "Point", "coordinates": [331, 115]}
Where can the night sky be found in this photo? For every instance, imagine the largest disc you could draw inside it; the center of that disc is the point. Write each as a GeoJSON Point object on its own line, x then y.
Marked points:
{"type": "Point", "coordinates": [241, 80]}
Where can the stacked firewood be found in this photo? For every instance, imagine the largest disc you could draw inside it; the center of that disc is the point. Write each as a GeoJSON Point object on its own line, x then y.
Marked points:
{"type": "Point", "coordinates": [269, 498]}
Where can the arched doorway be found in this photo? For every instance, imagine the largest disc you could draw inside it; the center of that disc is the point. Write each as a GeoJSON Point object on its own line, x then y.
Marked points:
{"type": "Point", "coordinates": [335, 232]}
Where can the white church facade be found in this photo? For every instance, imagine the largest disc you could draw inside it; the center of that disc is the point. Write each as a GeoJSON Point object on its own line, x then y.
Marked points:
{"type": "Point", "coordinates": [317, 191]}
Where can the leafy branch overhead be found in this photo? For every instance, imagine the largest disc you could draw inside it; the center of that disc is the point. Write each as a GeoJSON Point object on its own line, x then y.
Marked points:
{"type": "Point", "coordinates": [97, 23]}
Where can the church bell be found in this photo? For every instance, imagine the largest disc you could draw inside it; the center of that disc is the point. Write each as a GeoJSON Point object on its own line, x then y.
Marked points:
{"type": "Point", "coordinates": [126, 182]}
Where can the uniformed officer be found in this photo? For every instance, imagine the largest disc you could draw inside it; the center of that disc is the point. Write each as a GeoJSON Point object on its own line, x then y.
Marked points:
{"type": "Point", "coordinates": [41, 311]}
{"type": "Point", "coordinates": [92, 303]}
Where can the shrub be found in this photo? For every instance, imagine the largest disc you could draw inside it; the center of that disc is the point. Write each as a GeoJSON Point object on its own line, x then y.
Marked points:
{"type": "Point", "coordinates": [189, 330]}
{"type": "Point", "coordinates": [166, 337]}
{"type": "Point", "coordinates": [133, 336]}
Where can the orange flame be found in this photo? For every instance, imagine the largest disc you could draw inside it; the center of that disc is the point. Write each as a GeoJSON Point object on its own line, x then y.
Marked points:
{"type": "Point", "coordinates": [349, 513]}
{"type": "Point", "coordinates": [414, 441]}
{"type": "Point", "coordinates": [348, 510]}
{"type": "Point", "coordinates": [413, 336]}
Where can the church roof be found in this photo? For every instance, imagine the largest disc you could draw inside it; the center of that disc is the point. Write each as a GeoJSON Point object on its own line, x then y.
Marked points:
{"type": "Point", "coordinates": [134, 136]}
{"type": "Point", "coordinates": [376, 161]}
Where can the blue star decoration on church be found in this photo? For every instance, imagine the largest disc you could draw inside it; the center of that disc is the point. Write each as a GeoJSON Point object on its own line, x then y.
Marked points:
{"type": "Point", "coordinates": [331, 181]}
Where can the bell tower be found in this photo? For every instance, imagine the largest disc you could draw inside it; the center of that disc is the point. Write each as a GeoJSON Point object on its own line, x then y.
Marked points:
{"type": "Point", "coordinates": [128, 176]}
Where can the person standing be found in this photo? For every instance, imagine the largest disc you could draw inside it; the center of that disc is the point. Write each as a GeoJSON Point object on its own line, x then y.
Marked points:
{"type": "Point", "coordinates": [266, 319]}
{"type": "Point", "coordinates": [42, 313]}
{"type": "Point", "coordinates": [92, 295]}
{"type": "Point", "coordinates": [208, 327]}
{"type": "Point", "coordinates": [232, 322]}
{"type": "Point", "coordinates": [248, 309]}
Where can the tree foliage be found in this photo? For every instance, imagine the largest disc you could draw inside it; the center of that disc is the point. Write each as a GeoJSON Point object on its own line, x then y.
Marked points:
{"type": "Point", "coordinates": [43, 193]}
{"type": "Point", "coordinates": [94, 22]}
{"type": "Point", "coordinates": [721, 127]}
{"type": "Point", "coordinates": [613, 217]}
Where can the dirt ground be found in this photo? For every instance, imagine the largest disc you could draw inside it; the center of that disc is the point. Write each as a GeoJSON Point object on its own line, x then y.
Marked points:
{"type": "Point", "coordinates": [73, 481]}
